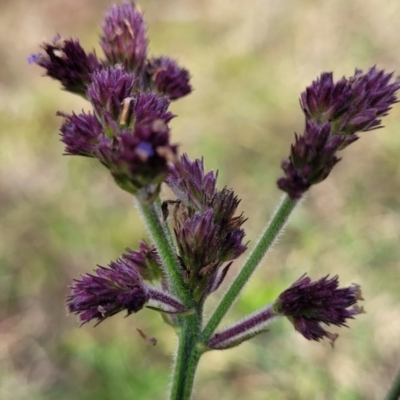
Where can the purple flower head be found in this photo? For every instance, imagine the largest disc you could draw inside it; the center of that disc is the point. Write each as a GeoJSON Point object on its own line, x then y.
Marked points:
{"type": "Point", "coordinates": [145, 261]}
{"type": "Point", "coordinates": [168, 77]}
{"type": "Point", "coordinates": [81, 134]}
{"type": "Point", "coordinates": [107, 292]}
{"type": "Point", "coordinates": [307, 304]}
{"type": "Point", "coordinates": [203, 247]}
{"type": "Point", "coordinates": [139, 158]}
{"type": "Point", "coordinates": [124, 36]}
{"type": "Point", "coordinates": [67, 61]}
{"type": "Point", "coordinates": [312, 158]}
{"type": "Point", "coordinates": [191, 185]}
{"type": "Point", "coordinates": [352, 105]}
{"type": "Point", "coordinates": [207, 231]}
{"type": "Point", "coordinates": [108, 90]}
{"type": "Point", "coordinates": [148, 107]}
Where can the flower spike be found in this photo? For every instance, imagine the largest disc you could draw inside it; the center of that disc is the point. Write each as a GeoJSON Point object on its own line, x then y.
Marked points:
{"type": "Point", "coordinates": [67, 62]}
{"type": "Point", "coordinates": [308, 304]}
{"type": "Point", "coordinates": [124, 38]}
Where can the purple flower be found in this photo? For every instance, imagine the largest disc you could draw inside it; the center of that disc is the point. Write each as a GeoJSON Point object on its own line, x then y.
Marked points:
{"type": "Point", "coordinates": [81, 134]}
{"type": "Point", "coordinates": [148, 107]}
{"type": "Point", "coordinates": [351, 105]}
{"type": "Point", "coordinates": [168, 77]}
{"type": "Point", "coordinates": [139, 158]}
{"type": "Point", "coordinates": [124, 36]}
{"type": "Point", "coordinates": [207, 231]}
{"type": "Point", "coordinates": [307, 304]}
{"type": "Point", "coordinates": [145, 260]}
{"type": "Point", "coordinates": [66, 61]}
{"type": "Point", "coordinates": [312, 158]}
{"type": "Point", "coordinates": [191, 185]}
{"type": "Point", "coordinates": [108, 90]}
{"type": "Point", "coordinates": [107, 292]}
{"type": "Point", "coordinates": [120, 287]}
{"type": "Point", "coordinates": [335, 112]}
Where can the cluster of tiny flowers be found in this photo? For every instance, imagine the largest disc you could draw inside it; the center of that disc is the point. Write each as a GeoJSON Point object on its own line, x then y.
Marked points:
{"type": "Point", "coordinates": [207, 231]}
{"type": "Point", "coordinates": [307, 304]}
{"type": "Point", "coordinates": [130, 93]}
{"type": "Point", "coordinates": [121, 286]}
{"type": "Point", "coordinates": [334, 113]}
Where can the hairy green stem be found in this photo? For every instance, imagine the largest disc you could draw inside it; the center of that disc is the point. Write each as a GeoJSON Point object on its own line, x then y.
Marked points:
{"type": "Point", "coordinates": [268, 237]}
{"type": "Point", "coordinates": [394, 392]}
{"type": "Point", "coordinates": [187, 358]}
{"type": "Point", "coordinates": [166, 252]}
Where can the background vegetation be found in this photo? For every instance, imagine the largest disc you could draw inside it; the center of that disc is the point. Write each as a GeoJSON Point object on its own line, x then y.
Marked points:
{"type": "Point", "coordinates": [62, 215]}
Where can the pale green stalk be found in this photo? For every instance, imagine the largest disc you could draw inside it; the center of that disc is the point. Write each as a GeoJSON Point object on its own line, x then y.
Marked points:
{"type": "Point", "coordinates": [165, 251]}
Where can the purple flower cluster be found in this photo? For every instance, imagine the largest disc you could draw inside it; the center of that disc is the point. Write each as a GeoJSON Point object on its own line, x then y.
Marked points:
{"type": "Point", "coordinates": [128, 130]}
{"type": "Point", "coordinates": [334, 113]}
{"type": "Point", "coordinates": [307, 304]}
{"type": "Point", "coordinates": [121, 286]}
{"type": "Point", "coordinates": [207, 231]}
{"type": "Point", "coordinates": [124, 43]}
{"type": "Point", "coordinates": [66, 61]}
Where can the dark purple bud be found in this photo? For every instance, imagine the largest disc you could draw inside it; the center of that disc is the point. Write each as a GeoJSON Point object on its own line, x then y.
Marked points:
{"type": "Point", "coordinates": [207, 231]}
{"type": "Point", "coordinates": [139, 160]}
{"type": "Point", "coordinates": [148, 107]}
{"type": "Point", "coordinates": [81, 134]}
{"type": "Point", "coordinates": [66, 61]}
{"type": "Point", "coordinates": [107, 292]}
{"type": "Point", "coordinates": [191, 185]}
{"type": "Point", "coordinates": [108, 90]}
{"type": "Point", "coordinates": [145, 260]}
{"type": "Point", "coordinates": [351, 105]}
{"type": "Point", "coordinates": [168, 77]}
{"type": "Point", "coordinates": [124, 36]}
{"type": "Point", "coordinates": [309, 304]}
{"type": "Point", "coordinates": [204, 245]}
{"type": "Point", "coordinates": [225, 204]}
{"type": "Point", "coordinates": [312, 158]}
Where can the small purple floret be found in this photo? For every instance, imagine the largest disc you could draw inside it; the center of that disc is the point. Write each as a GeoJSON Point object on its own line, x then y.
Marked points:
{"type": "Point", "coordinates": [82, 134]}
{"type": "Point", "coordinates": [67, 62]}
{"type": "Point", "coordinates": [124, 38]}
{"type": "Point", "coordinates": [168, 77]}
{"type": "Point", "coordinates": [108, 89]}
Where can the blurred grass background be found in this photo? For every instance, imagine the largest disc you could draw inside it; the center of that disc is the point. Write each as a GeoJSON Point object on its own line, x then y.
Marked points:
{"type": "Point", "coordinates": [62, 215]}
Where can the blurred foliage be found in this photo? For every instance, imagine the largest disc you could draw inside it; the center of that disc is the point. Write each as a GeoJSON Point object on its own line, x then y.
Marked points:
{"type": "Point", "coordinates": [62, 215]}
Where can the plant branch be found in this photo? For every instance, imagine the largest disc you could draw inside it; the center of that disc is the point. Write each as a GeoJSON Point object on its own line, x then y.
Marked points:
{"type": "Point", "coordinates": [266, 240]}
{"type": "Point", "coordinates": [165, 252]}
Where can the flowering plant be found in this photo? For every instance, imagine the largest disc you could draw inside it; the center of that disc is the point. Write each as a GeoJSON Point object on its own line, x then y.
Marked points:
{"type": "Point", "coordinates": [197, 234]}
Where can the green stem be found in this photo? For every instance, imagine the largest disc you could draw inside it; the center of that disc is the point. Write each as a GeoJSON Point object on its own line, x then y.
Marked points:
{"type": "Point", "coordinates": [394, 392]}
{"type": "Point", "coordinates": [166, 252]}
{"type": "Point", "coordinates": [187, 358]}
{"type": "Point", "coordinates": [268, 237]}
{"type": "Point", "coordinates": [167, 230]}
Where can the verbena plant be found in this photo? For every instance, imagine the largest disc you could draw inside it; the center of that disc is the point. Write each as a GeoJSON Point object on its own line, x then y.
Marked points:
{"type": "Point", "coordinates": [197, 234]}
